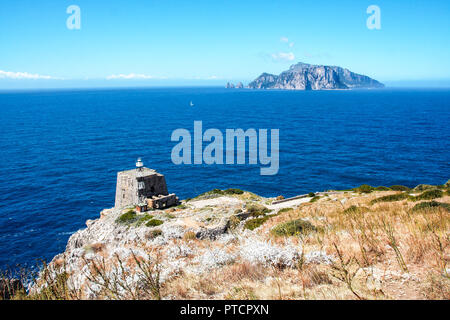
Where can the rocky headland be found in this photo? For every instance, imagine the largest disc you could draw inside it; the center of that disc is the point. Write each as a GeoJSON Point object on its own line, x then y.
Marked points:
{"type": "Point", "coordinates": [363, 243]}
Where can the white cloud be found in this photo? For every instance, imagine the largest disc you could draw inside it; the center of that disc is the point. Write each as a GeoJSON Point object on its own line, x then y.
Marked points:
{"type": "Point", "coordinates": [23, 75]}
{"type": "Point", "coordinates": [291, 45]}
{"type": "Point", "coordinates": [130, 76]}
{"type": "Point", "coordinates": [283, 56]}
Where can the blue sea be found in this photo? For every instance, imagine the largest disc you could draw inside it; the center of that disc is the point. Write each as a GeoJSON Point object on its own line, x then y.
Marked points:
{"type": "Point", "coordinates": [60, 150]}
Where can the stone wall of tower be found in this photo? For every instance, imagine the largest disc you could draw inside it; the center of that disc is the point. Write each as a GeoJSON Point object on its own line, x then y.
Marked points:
{"type": "Point", "coordinates": [126, 190]}
{"type": "Point", "coordinates": [152, 185]}
{"type": "Point", "coordinates": [133, 186]}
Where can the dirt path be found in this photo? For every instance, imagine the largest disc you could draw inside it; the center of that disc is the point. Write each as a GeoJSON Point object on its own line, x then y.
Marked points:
{"type": "Point", "coordinates": [215, 202]}
{"type": "Point", "coordinates": [289, 204]}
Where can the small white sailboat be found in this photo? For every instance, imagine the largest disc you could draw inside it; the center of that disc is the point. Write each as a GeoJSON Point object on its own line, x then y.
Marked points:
{"type": "Point", "coordinates": [191, 104]}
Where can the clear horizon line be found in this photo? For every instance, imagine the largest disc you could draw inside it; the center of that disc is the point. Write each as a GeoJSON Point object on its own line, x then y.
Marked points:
{"type": "Point", "coordinates": [81, 88]}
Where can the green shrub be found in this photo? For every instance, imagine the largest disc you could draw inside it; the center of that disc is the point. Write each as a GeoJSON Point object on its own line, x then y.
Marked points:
{"type": "Point", "coordinates": [430, 194]}
{"type": "Point", "coordinates": [392, 197]}
{"type": "Point", "coordinates": [209, 194]}
{"type": "Point", "coordinates": [399, 188]}
{"type": "Point", "coordinates": [127, 217]}
{"type": "Point", "coordinates": [311, 194]}
{"type": "Point", "coordinates": [182, 206]}
{"type": "Point", "coordinates": [144, 219]}
{"type": "Point", "coordinates": [292, 228]}
{"type": "Point", "coordinates": [423, 187]}
{"type": "Point", "coordinates": [314, 199]}
{"type": "Point", "coordinates": [364, 188]}
{"type": "Point", "coordinates": [233, 191]}
{"type": "Point", "coordinates": [256, 210]}
{"type": "Point", "coordinates": [355, 210]}
{"type": "Point", "coordinates": [382, 188]}
{"type": "Point", "coordinates": [431, 205]}
{"type": "Point", "coordinates": [252, 224]}
{"type": "Point", "coordinates": [154, 223]}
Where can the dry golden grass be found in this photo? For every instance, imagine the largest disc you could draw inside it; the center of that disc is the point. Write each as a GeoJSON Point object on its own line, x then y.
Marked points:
{"type": "Point", "coordinates": [407, 252]}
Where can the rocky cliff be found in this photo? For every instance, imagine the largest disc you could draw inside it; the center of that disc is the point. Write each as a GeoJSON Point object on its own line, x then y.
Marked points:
{"type": "Point", "coordinates": [304, 76]}
{"type": "Point", "coordinates": [229, 244]}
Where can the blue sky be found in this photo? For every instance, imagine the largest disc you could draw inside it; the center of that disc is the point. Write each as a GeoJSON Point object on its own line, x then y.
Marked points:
{"type": "Point", "coordinates": [166, 42]}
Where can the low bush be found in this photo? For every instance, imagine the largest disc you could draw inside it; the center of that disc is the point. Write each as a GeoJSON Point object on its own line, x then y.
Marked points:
{"type": "Point", "coordinates": [431, 205]}
{"type": "Point", "coordinates": [382, 188]}
{"type": "Point", "coordinates": [430, 194]}
{"type": "Point", "coordinates": [390, 198]}
{"type": "Point", "coordinates": [127, 217]}
{"type": "Point", "coordinates": [423, 187]}
{"type": "Point", "coordinates": [399, 188]}
{"type": "Point", "coordinates": [314, 199]}
{"type": "Point", "coordinates": [144, 219]}
{"type": "Point", "coordinates": [311, 194]}
{"type": "Point", "coordinates": [256, 210]}
{"type": "Point", "coordinates": [233, 191]}
{"type": "Point", "coordinates": [209, 194]}
{"type": "Point", "coordinates": [355, 210]}
{"type": "Point", "coordinates": [364, 188]}
{"type": "Point", "coordinates": [252, 224]}
{"type": "Point", "coordinates": [154, 223]}
{"type": "Point", "coordinates": [292, 228]}
{"type": "Point", "coordinates": [214, 193]}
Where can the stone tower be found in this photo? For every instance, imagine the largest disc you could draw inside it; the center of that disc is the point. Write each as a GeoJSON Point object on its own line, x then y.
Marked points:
{"type": "Point", "coordinates": [142, 185]}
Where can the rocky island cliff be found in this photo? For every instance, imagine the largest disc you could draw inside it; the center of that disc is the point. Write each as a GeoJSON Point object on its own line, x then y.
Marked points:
{"type": "Point", "coordinates": [303, 76]}
{"type": "Point", "coordinates": [363, 243]}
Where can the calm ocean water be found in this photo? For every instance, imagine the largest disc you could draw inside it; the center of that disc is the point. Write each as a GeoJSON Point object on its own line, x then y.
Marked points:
{"type": "Point", "coordinates": [60, 150]}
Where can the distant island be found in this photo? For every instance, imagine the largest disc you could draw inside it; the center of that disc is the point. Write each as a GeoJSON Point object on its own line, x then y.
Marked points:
{"type": "Point", "coordinates": [230, 85]}
{"type": "Point", "coordinates": [303, 76]}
